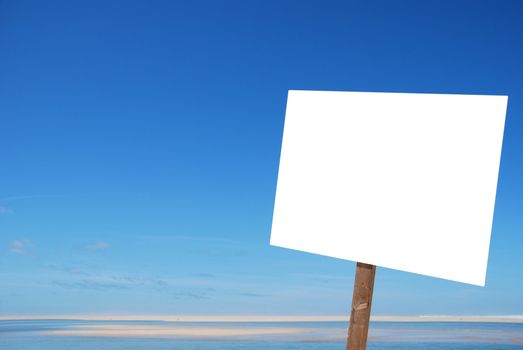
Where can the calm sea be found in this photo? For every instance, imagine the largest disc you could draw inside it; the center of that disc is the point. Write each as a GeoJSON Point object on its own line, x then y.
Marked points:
{"type": "Point", "coordinates": [52, 335]}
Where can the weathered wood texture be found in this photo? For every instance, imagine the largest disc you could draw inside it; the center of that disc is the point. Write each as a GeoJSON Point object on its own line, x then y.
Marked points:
{"type": "Point", "coordinates": [361, 303]}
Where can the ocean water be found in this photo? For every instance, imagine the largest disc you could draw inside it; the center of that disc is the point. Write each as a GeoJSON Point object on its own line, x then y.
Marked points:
{"type": "Point", "coordinates": [129, 335]}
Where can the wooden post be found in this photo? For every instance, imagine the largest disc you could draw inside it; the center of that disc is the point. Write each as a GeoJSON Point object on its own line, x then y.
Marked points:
{"type": "Point", "coordinates": [361, 303]}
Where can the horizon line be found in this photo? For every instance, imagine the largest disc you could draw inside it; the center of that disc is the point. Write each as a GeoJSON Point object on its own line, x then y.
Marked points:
{"type": "Point", "coordinates": [270, 318]}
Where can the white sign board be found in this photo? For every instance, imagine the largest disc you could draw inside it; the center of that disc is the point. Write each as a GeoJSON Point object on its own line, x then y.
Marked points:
{"type": "Point", "coordinates": [404, 181]}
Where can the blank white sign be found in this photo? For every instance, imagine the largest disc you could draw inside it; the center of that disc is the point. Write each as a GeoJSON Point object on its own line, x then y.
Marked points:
{"type": "Point", "coordinates": [404, 181]}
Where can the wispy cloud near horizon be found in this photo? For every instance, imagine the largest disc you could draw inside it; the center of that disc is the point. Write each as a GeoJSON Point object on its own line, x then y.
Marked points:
{"type": "Point", "coordinates": [6, 211]}
{"type": "Point", "coordinates": [89, 284]}
{"type": "Point", "coordinates": [98, 246]}
{"type": "Point", "coordinates": [19, 246]}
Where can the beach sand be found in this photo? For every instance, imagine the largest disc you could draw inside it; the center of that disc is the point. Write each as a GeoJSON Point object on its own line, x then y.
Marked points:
{"type": "Point", "coordinates": [494, 330]}
{"type": "Point", "coordinates": [315, 332]}
{"type": "Point", "coordinates": [173, 331]}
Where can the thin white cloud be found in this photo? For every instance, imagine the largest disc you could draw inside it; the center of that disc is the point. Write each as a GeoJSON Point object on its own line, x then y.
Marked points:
{"type": "Point", "coordinates": [98, 246]}
{"type": "Point", "coordinates": [31, 196]}
{"type": "Point", "coordinates": [6, 211]}
{"type": "Point", "coordinates": [19, 246]}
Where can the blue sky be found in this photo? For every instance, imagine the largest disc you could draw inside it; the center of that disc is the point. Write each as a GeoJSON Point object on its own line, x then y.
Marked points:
{"type": "Point", "coordinates": [140, 140]}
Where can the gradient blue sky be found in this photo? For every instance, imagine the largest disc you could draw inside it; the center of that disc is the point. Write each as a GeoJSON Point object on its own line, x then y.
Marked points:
{"type": "Point", "coordinates": [140, 140]}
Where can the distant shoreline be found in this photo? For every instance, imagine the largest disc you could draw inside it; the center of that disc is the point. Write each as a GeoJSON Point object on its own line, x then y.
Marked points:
{"type": "Point", "coordinates": [181, 318]}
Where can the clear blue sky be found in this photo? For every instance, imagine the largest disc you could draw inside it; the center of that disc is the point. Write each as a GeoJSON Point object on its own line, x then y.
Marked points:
{"type": "Point", "coordinates": [140, 140]}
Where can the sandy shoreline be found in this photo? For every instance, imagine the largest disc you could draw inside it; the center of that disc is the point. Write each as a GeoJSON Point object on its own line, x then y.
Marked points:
{"type": "Point", "coordinates": [291, 331]}
{"type": "Point", "coordinates": [183, 318]}
{"type": "Point", "coordinates": [256, 328]}
{"type": "Point", "coordinates": [170, 331]}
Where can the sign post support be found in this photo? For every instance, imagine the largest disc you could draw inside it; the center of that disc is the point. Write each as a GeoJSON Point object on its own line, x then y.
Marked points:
{"type": "Point", "coordinates": [361, 306]}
